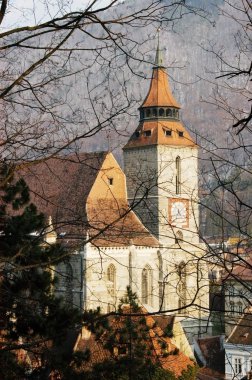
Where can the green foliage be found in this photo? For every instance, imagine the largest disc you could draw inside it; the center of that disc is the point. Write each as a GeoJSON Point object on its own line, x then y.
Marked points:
{"type": "Point", "coordinates": [168, 331]}
{"type": "Point", "coordinates": [189, 374]}
{"type": "Point", "coordinates": [127, 339]}
{"type": "Point", "coordinates": [30, 314]}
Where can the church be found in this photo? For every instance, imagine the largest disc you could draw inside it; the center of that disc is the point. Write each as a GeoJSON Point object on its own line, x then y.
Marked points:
{"type": "Point", "coordinates": [136, 228]}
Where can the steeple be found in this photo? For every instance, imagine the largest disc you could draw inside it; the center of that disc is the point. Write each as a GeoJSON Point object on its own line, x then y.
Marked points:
{"type": "Point", "coordinates": [159, 55]}
{"type": "Point", "coordinates": [159, 93]}
{"type": "Point", "coordinates": [159, 113]}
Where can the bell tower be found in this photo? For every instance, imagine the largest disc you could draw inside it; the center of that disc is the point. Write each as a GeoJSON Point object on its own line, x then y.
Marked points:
{"type": "Point", "coordinates": [161, 165]}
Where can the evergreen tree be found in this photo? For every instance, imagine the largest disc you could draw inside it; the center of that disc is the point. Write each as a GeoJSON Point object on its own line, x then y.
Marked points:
{"type": "Point", "coordinates": [31, 317]}
{"type": "Point", "coordinates": [126, 337]}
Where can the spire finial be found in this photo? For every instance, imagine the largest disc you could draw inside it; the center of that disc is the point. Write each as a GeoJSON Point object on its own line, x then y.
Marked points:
{"type": "Point", "coordinates": [159, 57]}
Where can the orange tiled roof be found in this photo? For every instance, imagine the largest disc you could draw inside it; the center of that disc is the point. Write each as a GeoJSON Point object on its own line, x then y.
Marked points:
{"type": "Point", "coordinates": [159, 93]}
{"type": "Point", "coordinates": [162, 350]}
{"type": "Point", "coordinates": [158, 135]}
{"type": "Point", "coordinates": [60, 188]}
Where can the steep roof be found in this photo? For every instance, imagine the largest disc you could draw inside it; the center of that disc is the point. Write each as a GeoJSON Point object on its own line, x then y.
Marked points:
{"type": "Point", "coordinates": [159, 93]}
{"type": "Point", "coordinates": [163, 351]}
{"type": "Point", "coordinates": [74, 192]}
{"type": "Point", "coordinates": [242, 271]}
{"type": "Point", "coordinates": [242, 332]}
{"type": "Point", "coordinates": [158, 134]}
{"type": "Point", "coordinates": [158, 120]}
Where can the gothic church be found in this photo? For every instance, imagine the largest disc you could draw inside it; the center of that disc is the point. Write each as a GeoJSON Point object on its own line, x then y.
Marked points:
{"type": "Point", "coordinates": [139, 228]}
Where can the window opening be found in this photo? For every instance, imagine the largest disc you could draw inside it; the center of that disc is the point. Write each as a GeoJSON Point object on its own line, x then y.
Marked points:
{"type": "Point", "coordinates": [110, 181]}
{"type": "Point", "coordinates": [69, 283]}
{"type": "Point", "coordinates": [147, 285]}
{"type": "Point", "coordinates": [111, 276]}
{"type": "Point", "coordinates": [231, 307]}
{"type": "Point", "coordinates": [182, 287]}
{"type": "Point", "coordinates": [238, 365]}
{"type": "Point", "coordinates": [168, 132]}
{"type": "Point", "coordinates": [180, 133]}
{"type": "Point", "coordinates": [148, 112]}
{"type": "Point", "coordinates": [178, 175]}
{"type": "Point", "coordinates": [147, 133]}
{"type": "Point", "coordinates": [178, 237]}
{"type": "Point", "coordinates": [169, 112]}
{"type": "Point", "coordinates": [161, 112]}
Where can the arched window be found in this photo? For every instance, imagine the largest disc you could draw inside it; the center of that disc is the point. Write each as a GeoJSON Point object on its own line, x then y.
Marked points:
{"type": "Point", "coordinates": [154, 112]}
{"type": "Point", "coordinates": [178, 237]}
{"type": "Point", "coordinates": [69, 284]}
{"type": "Point", "coordinates": [161, 112]}
{"type": "Point", "coordinates": [161, 282]}
{"type": "Point", "coordinates": [182, 287]}
{"type": "Point", "coordinates": [178, 175]}
{"type": "Point", "coordinates": [169, 112]}
{"type": "Point", "coordinates": [111, 277]}
{"type": "Point", "coordinates": [148, 112]}
{"type": "Point", "coordinates": [147, 285]}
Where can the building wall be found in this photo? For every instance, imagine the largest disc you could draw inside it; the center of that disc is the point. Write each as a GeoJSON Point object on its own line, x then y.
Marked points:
{"type": "Point", "coordinates": [69, 280]}
{"type": "Point", "coordinates": [167, 192]}
{"type": "Point", "coordinates": [140, 166]}
{"type": "Point", "coordinates": [129, 263]}
{"type": "Point", "coordinates": [103, 188]}
{"type": "Point", "coordinates": [237, 298]}
{"type": "Point", "coordinates": [237, 356]}
{"type": "Point", "coordinates": [155, 166]}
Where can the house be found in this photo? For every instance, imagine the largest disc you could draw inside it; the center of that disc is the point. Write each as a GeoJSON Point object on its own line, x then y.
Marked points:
{"type": "Point", "coordinates": [238, 350]}
{"type": "Point", "coordinates": [237, 284]}
{"type": "Point", "coordinates": [210, 354]}
{"type": "Point", "coordinates": [156, 332]}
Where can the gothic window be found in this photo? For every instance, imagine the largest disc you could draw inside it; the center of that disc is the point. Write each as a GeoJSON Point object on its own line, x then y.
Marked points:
{"type": "Point", "coordinates": [68, 283]}
{"type": "Point", "coordinates": [147, 285]}
{"type": "Point", "coordinates": [178, 175]}
{"type": "Point", "coordinates": [111, 276]}
{"type": "Point", "coordinates": [154, 112]}
{"type": "Point", "coordinates": [182, 287]}
{"type": "Point", "coordinates": [160, 281]}
{"type": "Point", "coordinates": [178, 237]}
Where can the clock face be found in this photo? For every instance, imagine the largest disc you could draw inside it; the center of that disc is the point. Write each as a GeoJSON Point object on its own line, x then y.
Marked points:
{"type": "Point", "coordinates": [178, 212]}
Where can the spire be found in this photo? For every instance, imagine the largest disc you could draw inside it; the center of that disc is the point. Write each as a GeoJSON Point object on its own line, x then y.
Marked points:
{"type": "Point", "coordinates": [159, 94]}
{"type": "Point", "coordinates": [159, 55]}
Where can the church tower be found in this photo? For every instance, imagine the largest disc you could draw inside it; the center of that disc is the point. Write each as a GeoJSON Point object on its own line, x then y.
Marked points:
{"type": "Point", "coordinates": [161, 167]}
